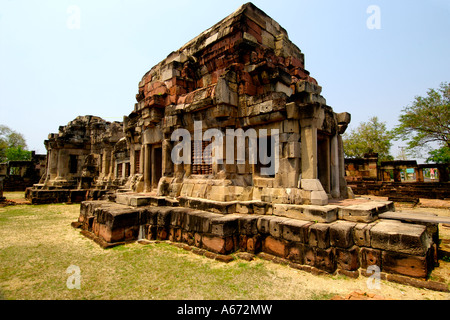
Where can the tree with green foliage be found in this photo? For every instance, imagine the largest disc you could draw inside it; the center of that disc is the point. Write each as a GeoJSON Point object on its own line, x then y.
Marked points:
{"type": "Point", "coordinates": [12, 145]}
{"type": "Point", "coordinates": [426, 121]}
{"type": "Point", "coordinates": [441, 155]}
{"type": "Point", "coordinates": [369, 137]}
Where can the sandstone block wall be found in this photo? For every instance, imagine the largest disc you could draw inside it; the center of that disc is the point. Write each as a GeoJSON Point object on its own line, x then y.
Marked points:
{"type": "Point", "coordinates": [395, 247]}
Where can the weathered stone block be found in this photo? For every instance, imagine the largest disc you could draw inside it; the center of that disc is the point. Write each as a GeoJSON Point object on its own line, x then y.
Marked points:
{"type": "Point", "coordinates": [162, 233]}
{"type": "Point", "coordinates": [325, 260]}
{"type": "Point", "coordinates": [296, 253]}
{"type": "Point", "coordinates": [319, 198]}
{"type": "Point", "coordinates": [248, 224]}
{"type": "Point", "coordinates": [295, 230]}
{"type": "Point", "coordinates": [313, 213]}
{"type": "Point", "coordinates": [370, 257]}
{"type": "Point", "coordinates": [319, 235]}
{"type": "Point", "coordinates": [251, 244]}
{"type": "Point", "coordinates": [152, 232]}
{"type": "Point", "coordinates": [131, 233]}
{"type": "Point", "coordinates": [198, 238]}
{"type": "Point", "coordinates": [178, 217]}
{"type": "Point", "coordinates": [276, 226]}
{"type": "Point", "coordinates": [174, 234]}
{"type": "Point", "coordinates": [404, 264]}
{"type": "Point", "coordinates": [263, 224]}
{"type": "Point", "coordinates": [309, 256]}
{"type": "Point", "coordinates": [224, 226]}
{"type": "Point", "coordinates": [198, 221]}
{"type": "Point", "coordinates": [341, 234]}
{"type": "Point", "coordinates": [148, 215]}
{"type": "Point", "coordinates": [401, 237]}
{"type": "Point", "coordinates": [221, 245]}
{"type": "Point", "coordinates": [361, 234]}
{"type": "Point", "coordinates": [359, 213]}
{"type": "Point", "coordinates": [275, 247]}
{"type": "Point", "coordinates": [187, 237]}
{"type": "Point", "coordinates": [164, 216]}
{"type": "Point", "coordinates": [348, 259]}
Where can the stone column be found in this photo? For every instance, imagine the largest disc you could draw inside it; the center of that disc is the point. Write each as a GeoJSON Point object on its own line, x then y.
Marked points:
{"type": "Point", "coordinates": [397, 175]}
{"type": "Point", "coordinates": [112, 166]}
{"type": "Point", "coordinates": [335, 185]}
{"type": "Point", "coordinates": [167, 163]}
{"type": "Point", "coordinates": [309, 152]}
{"type": "Point", "coordinates": [62, 165]}
{"type": "Point", "coordinates": [342, 182]}
{"type": "Point", "coordinates": [52, 164]}
{"type": "Point", "coordinates": [132, 160]}
{"type": "Point", "coordinates": [310, 179]}
{"type": "Point", "coordinates": [419, 175]}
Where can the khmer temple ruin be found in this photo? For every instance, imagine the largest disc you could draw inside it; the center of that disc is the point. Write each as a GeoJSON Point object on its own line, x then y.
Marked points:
{"type": "Point", "coordinates": [82, 160]}
{"type": "Point", "coordinates": [404, 180]}
{"type": "Point", "coordinates": [231, 147]}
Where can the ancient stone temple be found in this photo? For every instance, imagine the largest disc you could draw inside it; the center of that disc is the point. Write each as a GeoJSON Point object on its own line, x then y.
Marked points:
{"type": "Point", "coordinates": [83, 160]}
{"type": "Point", "coordinates": [243, 76]}
{"type": "Point", "coordinates": [231, 147]}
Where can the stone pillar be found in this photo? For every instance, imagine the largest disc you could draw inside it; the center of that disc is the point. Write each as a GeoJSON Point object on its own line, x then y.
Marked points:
{"type": "Point", "coordinates": [53, 164]}
{"type": "Point", "coordinates": [419, 175]}
{"type": "Point", "coordinates": [167, 163]}
{"type": "Point", "coordinates": [309, 152]}
{"type": "Point", "coordinates": [313, 117]}
{"type": "Point", "coordinates": [112, 166]}
{"type": "Point", "coordinates": [342, 182]}
{"type": "Point", "coordinates": [335, 185]}
{"type": "Point", "coordinates": [142, 160]}
{"type": "Point", "coordinates": [62, 165]}
{"type": "Point", "coordinates": [132, 160]}
{"type": "Point", "coordinates": [397, 175]}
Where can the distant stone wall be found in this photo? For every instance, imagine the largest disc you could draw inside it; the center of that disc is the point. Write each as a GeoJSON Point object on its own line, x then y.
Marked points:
{"type": "Point", "coordinates": [348, 247]}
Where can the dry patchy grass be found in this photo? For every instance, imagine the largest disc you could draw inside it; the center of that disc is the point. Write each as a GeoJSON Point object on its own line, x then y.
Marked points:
{"type": "Point", "coordinates": [37, 245]}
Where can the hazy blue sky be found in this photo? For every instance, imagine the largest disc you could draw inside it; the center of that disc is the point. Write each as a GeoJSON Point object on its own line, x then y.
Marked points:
{"type": "Point", "coordinates": [52, 71]}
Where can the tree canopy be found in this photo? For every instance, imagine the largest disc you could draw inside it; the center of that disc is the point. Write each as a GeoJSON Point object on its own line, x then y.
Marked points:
{"type": "Point", "coordinates": [369, 137]}
{"type": "Point", "coordinates": [12, 145]}
{"type": "Point", "coordinates": [427, 120]}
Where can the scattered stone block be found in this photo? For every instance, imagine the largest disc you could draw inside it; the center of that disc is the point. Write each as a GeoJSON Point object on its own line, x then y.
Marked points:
{"type": "Point", "coordinates": [400, 237]}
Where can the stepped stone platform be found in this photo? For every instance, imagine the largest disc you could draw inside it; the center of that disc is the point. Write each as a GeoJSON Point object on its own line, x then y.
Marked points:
{"type": "Point", "coordinates": [346, 236]}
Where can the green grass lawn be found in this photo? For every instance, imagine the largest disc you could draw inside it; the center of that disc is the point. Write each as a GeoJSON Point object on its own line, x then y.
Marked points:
{"type": "Point", "coordinates": [37, 245]}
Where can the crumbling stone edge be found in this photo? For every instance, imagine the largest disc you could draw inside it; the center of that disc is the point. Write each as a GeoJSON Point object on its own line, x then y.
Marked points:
{"type": "Point", "coordinates": [417, 283]}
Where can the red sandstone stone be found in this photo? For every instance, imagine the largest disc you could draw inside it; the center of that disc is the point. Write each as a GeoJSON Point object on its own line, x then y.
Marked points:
{"type": "Point", "coordinates": [275, 246]}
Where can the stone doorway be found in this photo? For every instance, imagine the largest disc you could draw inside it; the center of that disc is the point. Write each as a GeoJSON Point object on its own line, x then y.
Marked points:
{"type": "Point", "coordinates": [152, 167]}
{"type": "Point", "coordinates": [323, 161]}
{"type": "Point", "coordinates": [156, 166]}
